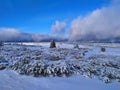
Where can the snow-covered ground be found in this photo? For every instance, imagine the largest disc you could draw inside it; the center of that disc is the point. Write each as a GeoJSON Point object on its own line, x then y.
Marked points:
{"type": "Point", "coordinates": [62, 68]}
{"type": "Point", "coordinates": [9, 80]}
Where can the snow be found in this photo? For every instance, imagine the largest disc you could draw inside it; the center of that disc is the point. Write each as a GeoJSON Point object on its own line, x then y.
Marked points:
{"type": "Point", "coordinates": [110, 50]}
{"type": "Point", "coordinates": [88, 67]}
{"type": "Point", "coordinates": [9, 80]}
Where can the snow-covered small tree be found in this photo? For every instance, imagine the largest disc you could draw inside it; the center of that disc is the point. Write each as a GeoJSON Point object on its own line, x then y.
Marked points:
{"type": "Point", "coordinates": [103, 49]}
{"type": "Point", "coordinates": [76, 46]}
{"type": "Point", "coordinates": [52, 44]}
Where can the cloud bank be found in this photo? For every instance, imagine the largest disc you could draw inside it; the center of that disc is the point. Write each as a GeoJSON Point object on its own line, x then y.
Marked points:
{"type": "Point", "coordinates": [12, 34]}
{"type": "Point", "coordinates": [101, 24]}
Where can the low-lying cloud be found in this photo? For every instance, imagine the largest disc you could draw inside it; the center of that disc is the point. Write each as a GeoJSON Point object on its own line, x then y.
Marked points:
{"type": "Point", "coordinates": [8, 34]}
{"type": "Point", "coordinates": [12, 34]}
{"type": "Point", "coordinates": [102, 23]}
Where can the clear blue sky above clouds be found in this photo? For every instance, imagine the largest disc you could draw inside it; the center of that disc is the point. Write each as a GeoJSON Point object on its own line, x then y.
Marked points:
{"type": "Point", "coordinates": [37, 16]}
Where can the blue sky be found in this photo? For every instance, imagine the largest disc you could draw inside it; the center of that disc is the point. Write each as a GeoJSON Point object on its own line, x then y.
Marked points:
{"type": "Point", "coordinates": [37, 16]}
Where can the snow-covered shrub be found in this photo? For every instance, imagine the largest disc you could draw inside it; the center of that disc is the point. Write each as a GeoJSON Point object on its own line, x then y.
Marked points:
{"type": "Point", "coordinates": [52, 44]}
{"type": "Point", "coordinates": [105, 79]}
{"type": "Point", "coordinates": [103, 49]}
{"type": "Point", "coordinates": [3, 63]}
{"type": "Point", "coordinates": [40, 68]}
{"type": "Point", "coordinates": [76, 46]}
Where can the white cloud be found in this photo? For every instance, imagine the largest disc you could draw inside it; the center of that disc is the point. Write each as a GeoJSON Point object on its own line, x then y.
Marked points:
{"type": "Point", "coordinates": [12, 34]}
{"type": "Point", "coordinates": [40, 37]}
{"type": "Point", "coordinates": [58, 27]}
{"type": "Point", "coordinates": [8, 33]}
{"type": "Point", "coordinates": [100, 24]}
